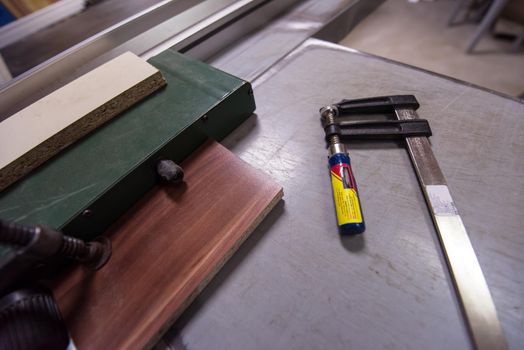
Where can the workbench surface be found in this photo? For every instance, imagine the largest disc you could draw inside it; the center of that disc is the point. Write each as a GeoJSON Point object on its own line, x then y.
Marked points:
{"type": "Point", "coordinates": [296, 284]}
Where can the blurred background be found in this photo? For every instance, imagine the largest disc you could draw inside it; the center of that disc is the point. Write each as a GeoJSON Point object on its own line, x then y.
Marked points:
{"type": "Point", "coordinates": [478, 41]}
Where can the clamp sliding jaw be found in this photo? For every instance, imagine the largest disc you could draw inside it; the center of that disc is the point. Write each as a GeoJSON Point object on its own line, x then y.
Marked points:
{"type": "Point", "coordinates": [373, 129]}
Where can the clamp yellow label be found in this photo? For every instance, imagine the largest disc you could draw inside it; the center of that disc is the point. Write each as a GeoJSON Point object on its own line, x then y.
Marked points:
{"type": "Point", "coordinates": [346, 199]}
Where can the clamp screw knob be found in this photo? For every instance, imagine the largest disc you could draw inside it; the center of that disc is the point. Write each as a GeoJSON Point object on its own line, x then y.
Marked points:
{"type": "Point", "coordinates": [169, 171]}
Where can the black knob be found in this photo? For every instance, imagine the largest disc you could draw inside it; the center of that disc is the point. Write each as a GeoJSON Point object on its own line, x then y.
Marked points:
{"type": "Point", "coordinates": [169, 171]}
{"type": "Point", "coordinates": [30, 319]}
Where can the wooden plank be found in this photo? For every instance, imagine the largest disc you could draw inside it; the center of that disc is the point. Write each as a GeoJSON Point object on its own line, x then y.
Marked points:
{"type": "Point", "coordinates": [165, 250]}
{"type": "Point", "coordinates": [36, 133]}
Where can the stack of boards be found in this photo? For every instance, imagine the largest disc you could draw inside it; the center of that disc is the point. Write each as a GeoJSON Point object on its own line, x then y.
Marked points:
{"type": "Point", "coordinates": [170, 244]}
{"type": "Point", "coordinates": [41, 130]}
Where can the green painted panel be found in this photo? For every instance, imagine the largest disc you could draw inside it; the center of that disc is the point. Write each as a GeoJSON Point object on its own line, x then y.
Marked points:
{"type": "Point", "coordinates": [113, 167]}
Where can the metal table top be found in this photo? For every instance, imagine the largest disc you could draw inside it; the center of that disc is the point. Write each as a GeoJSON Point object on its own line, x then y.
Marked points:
{"type": "Point", "coordinates": [296, 284]}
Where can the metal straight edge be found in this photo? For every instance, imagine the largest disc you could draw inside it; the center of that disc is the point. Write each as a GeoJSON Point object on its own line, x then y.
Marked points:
{"type": "Point", "coordinates": [346, 19]}
{"type": "Point", "coordinates": [470, 285]}
{"type": "Point", "coordinates": [185, 28]}
{"type": "Point", "coordinates": [20, 91]}
{"type": "Point", "coordinates": [204, 27]}
{"type": "Point", "coordinates": [330, 20]}
{"type": "Point", "coordinates": [223, 28]}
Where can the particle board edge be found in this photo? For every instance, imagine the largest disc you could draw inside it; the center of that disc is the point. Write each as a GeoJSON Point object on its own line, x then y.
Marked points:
{"type": "Point", "coordinates": [39, 154]}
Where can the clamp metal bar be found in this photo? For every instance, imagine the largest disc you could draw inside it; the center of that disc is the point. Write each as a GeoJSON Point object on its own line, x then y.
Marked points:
{"type": "Point", "coordinates": [470, 285]}
{"type": "Point", "coordinates": [180, 25]}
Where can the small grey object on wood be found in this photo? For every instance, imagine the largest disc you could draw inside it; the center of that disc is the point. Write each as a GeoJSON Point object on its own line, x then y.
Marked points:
{"type": "Point", "coordinates": [38, 132]}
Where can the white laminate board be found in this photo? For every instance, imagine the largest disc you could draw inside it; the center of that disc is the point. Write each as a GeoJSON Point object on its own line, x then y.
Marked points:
{"type": "Point", "coordinates": [100, 94]}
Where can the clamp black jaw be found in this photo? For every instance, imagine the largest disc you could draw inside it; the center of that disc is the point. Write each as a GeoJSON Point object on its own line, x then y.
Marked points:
{"type": "Point", "coordinates": [375, 105]}
{"type": "Point", "coordinates": [373, 129]}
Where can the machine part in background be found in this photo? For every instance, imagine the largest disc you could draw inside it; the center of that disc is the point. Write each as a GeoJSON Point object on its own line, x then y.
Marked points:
{"type": "Point", "coordinates": [35, 245]}
{"type": "Point", "coordinates": [29, 316]}
{"type": "Point", "coordinates": [44, 242]}
{"type": "Point", "coordinates": [183, 24]}
{"type": "Point", "coordinates": [345, 193]}
{"type": "Point", "coordinates": [471, 287]}
{"type": "Point", "coordinates": [30, 319]}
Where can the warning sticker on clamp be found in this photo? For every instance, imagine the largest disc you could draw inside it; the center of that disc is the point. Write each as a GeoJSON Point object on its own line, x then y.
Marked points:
{"type": "Point", "coordinates": [441, 200]}
{"type": "Point", "coordinates": [345, 195]}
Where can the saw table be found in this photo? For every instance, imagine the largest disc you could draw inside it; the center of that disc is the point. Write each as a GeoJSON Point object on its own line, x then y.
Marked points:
{"type": "Point", "coordinates": [297, 284]}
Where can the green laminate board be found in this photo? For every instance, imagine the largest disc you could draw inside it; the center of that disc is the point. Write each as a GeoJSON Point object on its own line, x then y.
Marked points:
{"type": "Point", "coordinates": [113, 167]}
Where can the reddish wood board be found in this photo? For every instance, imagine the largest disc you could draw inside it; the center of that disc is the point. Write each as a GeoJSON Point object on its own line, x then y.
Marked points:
{"type": "Point", "coordinates": [165, 250]}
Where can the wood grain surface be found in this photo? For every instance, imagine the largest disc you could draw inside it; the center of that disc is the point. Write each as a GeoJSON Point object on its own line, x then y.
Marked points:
{"type": "Point", "coordinates": [165, 250]}
{"type": "Point", "coordinates": [57, 120]}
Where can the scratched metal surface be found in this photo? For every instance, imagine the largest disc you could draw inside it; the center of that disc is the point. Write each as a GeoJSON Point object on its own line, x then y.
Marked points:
{"type": "Point", "coordinates": [296, 284]}
{"type": "Point", "coordinates": [256, 52]}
